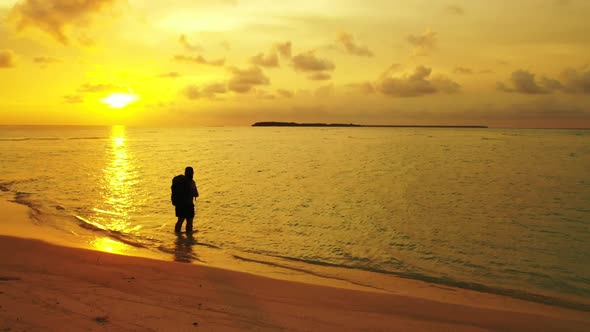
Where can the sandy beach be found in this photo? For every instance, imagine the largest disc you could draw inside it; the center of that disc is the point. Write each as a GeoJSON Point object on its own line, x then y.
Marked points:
{"type": "Point", "coordinates": [46, 287]}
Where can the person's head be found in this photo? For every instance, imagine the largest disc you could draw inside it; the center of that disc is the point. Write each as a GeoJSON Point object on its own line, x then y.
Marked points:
{"type": "Point", "coordinates": [188, 172]}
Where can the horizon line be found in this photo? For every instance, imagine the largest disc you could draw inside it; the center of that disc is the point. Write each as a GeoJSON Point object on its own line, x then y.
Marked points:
{"type": "Point", "coordinates": [250, 125]}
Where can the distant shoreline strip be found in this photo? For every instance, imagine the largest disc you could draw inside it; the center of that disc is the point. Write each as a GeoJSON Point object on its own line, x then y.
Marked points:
{"type": "Point", "coordinates": [295, 124]}
{"type": "Point", "coordinates": [439, 281]}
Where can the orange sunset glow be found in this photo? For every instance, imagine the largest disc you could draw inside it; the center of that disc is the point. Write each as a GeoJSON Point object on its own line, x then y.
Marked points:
{"type": "Point", "coordinates": [309, 165]}
{"type": "Point", "coordinates": [234, 62]}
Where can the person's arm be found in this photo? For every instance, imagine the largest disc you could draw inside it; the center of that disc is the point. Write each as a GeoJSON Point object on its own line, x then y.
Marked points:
{"type": "Point", "coordinates": [195, 190]}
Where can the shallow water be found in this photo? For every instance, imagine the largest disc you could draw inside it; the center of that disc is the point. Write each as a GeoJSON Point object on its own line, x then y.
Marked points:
{"type": "Point", "coordinates": [477, 208]}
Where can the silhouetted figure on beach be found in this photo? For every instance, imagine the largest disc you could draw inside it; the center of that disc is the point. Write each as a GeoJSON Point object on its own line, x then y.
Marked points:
{"type": "Point", "coordinates": [184, 192]}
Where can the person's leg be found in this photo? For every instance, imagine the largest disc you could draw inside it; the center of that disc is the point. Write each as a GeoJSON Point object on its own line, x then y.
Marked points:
{"type": "Point", "coordinates": [180, 214]}
{"type": "Point", "coordinates": [178, 227]}
{"type": "Point", "coordinates": [190, 215]}
{"type": "Point", "coordinates": [189, 225]}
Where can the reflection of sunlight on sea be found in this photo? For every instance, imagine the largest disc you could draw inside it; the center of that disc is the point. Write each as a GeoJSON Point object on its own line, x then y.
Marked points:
{"type": "Point", "coordinates": [109, 245]}
{"type": "Point", "coordinates": [116, 203]}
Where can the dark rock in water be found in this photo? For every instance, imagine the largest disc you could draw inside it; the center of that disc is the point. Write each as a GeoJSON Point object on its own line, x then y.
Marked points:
{"type": "Point", "coordinates": [59, 207]}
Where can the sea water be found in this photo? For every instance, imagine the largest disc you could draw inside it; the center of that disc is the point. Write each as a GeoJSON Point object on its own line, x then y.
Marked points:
{"type": "Point", "coordinates": [500, 210]}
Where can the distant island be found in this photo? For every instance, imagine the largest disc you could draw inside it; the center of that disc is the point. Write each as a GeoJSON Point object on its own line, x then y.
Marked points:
{"type": "Point", "coordinates": [295, 124]}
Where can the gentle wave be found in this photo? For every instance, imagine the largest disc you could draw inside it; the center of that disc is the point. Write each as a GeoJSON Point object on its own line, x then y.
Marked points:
{"type": "Point", "coordinates": [21, 139]}
{"type": "Point", "coordinates": [242, 258]}
{"type": "Point", "coordinates": [89, 138]}
{"type": "Point", "coordinates": [445, 281]}
{"type": "Point", "coordinates": [116, 235]}
{"type": "Point", "coordinates": [24, 198]}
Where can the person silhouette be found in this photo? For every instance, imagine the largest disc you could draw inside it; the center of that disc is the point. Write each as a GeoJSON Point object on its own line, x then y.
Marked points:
{"type": "Point", "coordinates": [184, 192]}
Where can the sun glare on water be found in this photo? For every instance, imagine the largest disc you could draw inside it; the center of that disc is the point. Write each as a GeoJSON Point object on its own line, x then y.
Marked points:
{"type": "Point", "coordinates": [119, 99]}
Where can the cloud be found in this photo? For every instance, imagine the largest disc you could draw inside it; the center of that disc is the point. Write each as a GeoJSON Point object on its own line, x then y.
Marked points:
{"type": "Point", "coordinates": [225, 45]}
{"type": "Point", "coordinates": [191, 92]}
{"type": "Point", "coordinates": [91, 88]}
{"type": "Point", "coordinates": [308, 62]}
{"type": "Point", "coordinates": [284, 49]}
{"type": "Point", "coordinates": [455, 10]}
{"type": "Point", "coordinates": [551, 84]}
{"type": "Point", "coordinates": [415, 84]}
{"type": "Point", "coordinates": [199, 59]}
{"type": "Point", "coordinates": [208, 91]}
{"type": "Point", "coordinates": [423, 44]}
{"type": "Point", "coordinates": [171, 74]}
{"type": "Point", "coordinates": [57, 17]}
{"type": "Point", "coordinates": [73, 99]}
{"type": "Point", "coordinates": [44, 60]}
{"type": "Point", "coordinates": [183, 40]}
{"type": "Point", "coordinates": [7, 59]}
{"type": "Point", "coordinates": [365, 88]}
{"type": "Point", "coordinates": [576, 81]}
{"type": "Point", "coordinates": [243, 80]}
{"type": "Point", "coordinates": [317, 67]}
{"type": "Point", "coordinates": [462, 70]}
{"type": "Point", "coordinates": [261, 94]}
{"type": "Point", "coordinates": [444, 84]}
{"type": "Point", "coordinates": [285, 93]}
{"type": "Point", "coordinates": [524, 82]}
{"type": "Point", "coordinates": [320, 76]}
{"type": "Point", "coordinates": [268, 60]}
{"type": "Point", "coordinates": [347, 41]}
{"type": "Point", "coordinates": [215, 88]}
{"type": "Point", "coordinates": [271, 58]}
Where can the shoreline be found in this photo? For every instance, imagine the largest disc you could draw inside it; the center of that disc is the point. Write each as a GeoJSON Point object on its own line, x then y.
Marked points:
{"type": "Point", "coordinates": [81, 289]}
{"type": "Point", "coordinates": [283, 268]}
{"type": "Point", "coordinates": [29, 278]}
{"type": "Point", "coordinates": [192, 250]}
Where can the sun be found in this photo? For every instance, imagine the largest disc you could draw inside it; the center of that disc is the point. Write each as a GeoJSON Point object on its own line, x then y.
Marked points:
{"type": "Point", "coordinates": [119, 99]}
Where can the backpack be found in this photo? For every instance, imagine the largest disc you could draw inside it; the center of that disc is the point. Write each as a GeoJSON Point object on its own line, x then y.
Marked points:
{"type": "Point", "coordinates": [178, 189]}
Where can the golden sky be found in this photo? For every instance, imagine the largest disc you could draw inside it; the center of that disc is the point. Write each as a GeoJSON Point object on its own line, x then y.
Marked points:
{"type": "Point", "coordinates": [507, 63]}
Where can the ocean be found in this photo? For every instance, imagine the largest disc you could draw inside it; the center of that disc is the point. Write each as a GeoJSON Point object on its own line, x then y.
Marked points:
{"type": "Point", "coordinates": [505, 211]}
